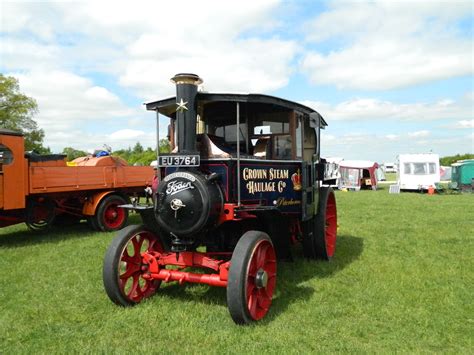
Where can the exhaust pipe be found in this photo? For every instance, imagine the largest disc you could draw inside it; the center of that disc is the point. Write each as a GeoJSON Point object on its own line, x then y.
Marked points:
{"type": "Point", "coordinates": [186, 90]}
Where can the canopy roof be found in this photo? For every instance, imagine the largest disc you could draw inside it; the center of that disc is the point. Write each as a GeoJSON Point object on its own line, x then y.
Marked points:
{"type": "Point", "coordinates": [358, 164]}
{"type": "Point", "coordinates": [167, 106]}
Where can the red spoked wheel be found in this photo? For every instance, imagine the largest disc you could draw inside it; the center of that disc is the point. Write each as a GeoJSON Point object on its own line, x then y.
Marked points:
{"type": "Point", "coordinates": [122, 270]}
{"type": "Point", "coordinates": [109, 216]}
{"type": "Point", "coordinates": [320, 243]}
{"type": "Point", "coordinates": [252, 278]}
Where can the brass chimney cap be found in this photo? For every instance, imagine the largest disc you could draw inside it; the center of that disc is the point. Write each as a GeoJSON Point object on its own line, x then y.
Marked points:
{"type": "Point", "coordinates": [186, 78]}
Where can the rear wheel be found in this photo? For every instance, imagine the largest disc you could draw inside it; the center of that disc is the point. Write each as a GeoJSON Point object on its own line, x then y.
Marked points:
{"type": "Point", "coordinates": [320, 242]}
{"type": "Point", "coordinates": [109, 216]}
{"type": "Point", "coordinates": [40, 214]}
{"type": "Point", "coordinates": [122, 273]}
{"type": "Point", "coordinates": [252, 278]}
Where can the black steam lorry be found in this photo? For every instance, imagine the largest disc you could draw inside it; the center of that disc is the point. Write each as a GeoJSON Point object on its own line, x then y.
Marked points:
{"type": "Point", "coordinates": [242, 185]}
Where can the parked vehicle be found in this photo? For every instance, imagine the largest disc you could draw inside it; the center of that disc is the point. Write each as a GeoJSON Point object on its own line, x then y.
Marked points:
{"type": "Point", "coordinates": [418, 171]}
{"type": "Point", "coordinates": [389, 167]}
{"type": "Point", "coordinates": [243, 185]}
{"type": "Point", "coordinates": [42, 189]}
{"type": "Point", "coordinates": [462, 177]}
{"type": "Point", "coordinates": [359, 174]}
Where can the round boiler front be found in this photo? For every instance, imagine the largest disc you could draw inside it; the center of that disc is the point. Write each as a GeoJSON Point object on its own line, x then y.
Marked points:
{"type": "Point", "coordinates": [187, 202]}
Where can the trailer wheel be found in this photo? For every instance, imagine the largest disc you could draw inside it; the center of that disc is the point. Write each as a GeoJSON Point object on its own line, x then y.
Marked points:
{"type": "Point", "coordinates": [320, 242]}
{"type": "Point", "coordinates": [110, 217]}
{"type": "Point", "coordinates": [40, 214]}
{"type": "Point", "coordinates": [252, 278]}
{"type": "Point", "coordinates": [122, 273]}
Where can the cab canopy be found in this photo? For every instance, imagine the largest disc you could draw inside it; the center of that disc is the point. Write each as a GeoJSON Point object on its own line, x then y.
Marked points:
{"type": "Point", "coordinates": [262, 119]}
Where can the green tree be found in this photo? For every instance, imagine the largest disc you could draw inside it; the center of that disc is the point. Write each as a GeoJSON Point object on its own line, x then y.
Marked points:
{"type": "Point", "coordinates": [16, 112]}
{"type": "Point", "coordinates": [73, 153]}
{"type": "Point", "coordinates": [138, 149]}
{"type": "Point", "coordinates": [447, 161]}
{"type": "Point", "coordinates": [139, 155]}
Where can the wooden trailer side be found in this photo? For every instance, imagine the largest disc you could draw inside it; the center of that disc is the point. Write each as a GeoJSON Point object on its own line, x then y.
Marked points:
{"type": "Point", "coordinates": [52, 179]}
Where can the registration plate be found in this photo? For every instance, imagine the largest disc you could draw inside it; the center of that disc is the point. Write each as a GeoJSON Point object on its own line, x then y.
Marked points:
{"type": "Point", "coordinates": [179, 160]}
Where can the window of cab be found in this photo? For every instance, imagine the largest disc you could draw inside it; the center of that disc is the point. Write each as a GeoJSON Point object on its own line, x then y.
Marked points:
{"type": "Point", "coordinates": [264, 131]}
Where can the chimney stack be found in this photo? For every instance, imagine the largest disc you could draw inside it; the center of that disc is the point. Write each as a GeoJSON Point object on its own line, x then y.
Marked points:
{"type": "Point", "coordinates": [186, 90]}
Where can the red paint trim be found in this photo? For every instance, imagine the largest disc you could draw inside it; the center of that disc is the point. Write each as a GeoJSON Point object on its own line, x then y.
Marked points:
{"type": "Point", "coordinates": [154, 267]}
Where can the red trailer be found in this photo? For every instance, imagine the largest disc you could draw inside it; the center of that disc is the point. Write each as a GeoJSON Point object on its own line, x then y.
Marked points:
{"type": "Point", "coordinates": [42, 189]}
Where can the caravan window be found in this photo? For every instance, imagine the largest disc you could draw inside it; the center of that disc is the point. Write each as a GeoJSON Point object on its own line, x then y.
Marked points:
{"type": "Point", "coordinates": [419, 168]}
{"type": "Point", "coordinates": [407, 168]}
{"type": "Point", "coordinates": [432, 167]}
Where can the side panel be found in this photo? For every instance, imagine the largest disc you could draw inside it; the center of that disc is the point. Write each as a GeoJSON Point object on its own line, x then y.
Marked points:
{"type": "Point", "coordinates": [272, 184]}
{"type": "Point", "coordinates": [79, 178]}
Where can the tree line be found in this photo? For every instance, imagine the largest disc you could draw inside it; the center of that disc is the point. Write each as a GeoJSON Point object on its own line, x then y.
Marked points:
{"type": "Point", "coordinates": [137, 155]}
{"type": "Point", "coordinates": [447, 161]}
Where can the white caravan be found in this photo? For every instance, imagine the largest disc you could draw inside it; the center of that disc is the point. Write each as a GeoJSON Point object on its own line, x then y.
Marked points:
{"type": "Point", "coordinates": [417, 171]}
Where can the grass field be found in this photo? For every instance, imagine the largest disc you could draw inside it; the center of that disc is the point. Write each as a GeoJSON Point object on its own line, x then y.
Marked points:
{"type": "Point", "coordinates": [402, 281]}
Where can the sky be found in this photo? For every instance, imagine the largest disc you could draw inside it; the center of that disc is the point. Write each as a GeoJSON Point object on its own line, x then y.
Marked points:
{"type": "Point", "coordinates": [389, 77]}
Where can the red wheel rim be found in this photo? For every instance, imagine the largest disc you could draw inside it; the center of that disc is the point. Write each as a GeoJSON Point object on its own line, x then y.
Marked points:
{"type": "Point", "coordinates": [113, 216]}
{"type": "Point", "coordinates": [261, 279]}
{"type": "Point", "coordinates": [132, 284]}
{"type": "Point", "coordinates": [331, 225]}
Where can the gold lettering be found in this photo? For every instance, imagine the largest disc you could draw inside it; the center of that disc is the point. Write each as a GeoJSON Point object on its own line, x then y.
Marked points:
{"type": "Point", "coordinates": [281, 202]}
{"type": "Point", "coordinates": [253, 187]}
{"type": "Point", "coordinates": [279, 174]}
{"type": "Point", "coordinates": [257, 174]}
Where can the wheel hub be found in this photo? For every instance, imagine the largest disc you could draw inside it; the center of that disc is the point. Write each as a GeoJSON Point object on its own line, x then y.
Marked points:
{"type": "Point", "coordinates": [261, 278]}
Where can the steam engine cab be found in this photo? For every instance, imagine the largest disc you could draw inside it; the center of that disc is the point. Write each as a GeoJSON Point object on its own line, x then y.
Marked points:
{"type": "Point", "coordinates": [242, 184]}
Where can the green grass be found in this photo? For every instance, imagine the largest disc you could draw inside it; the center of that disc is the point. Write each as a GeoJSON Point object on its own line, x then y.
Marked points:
{"type": "Point", "coordinates": [401, 281]}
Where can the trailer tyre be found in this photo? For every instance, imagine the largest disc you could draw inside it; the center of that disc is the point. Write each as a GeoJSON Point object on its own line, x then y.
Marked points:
{"type": "Point", "coordinates": [110, 217]}
{"type": "Point", "coordinates": [320, 242]}
{"type": "Point", "coordinates": [40, 214]}
{"type": "Point", "coordinates": [122, 273]}
{"type": "Point", "coordinates": [252, 278]}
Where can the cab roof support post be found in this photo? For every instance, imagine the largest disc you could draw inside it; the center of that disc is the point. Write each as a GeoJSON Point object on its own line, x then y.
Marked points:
{"type": "Point", "coordinates": [157, 137]}
{"type": "Point", "coordinates": [238, 152]}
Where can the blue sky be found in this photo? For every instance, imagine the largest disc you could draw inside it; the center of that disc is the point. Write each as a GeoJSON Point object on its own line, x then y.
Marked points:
{"type": "Point", "coordinates": [389, 77]}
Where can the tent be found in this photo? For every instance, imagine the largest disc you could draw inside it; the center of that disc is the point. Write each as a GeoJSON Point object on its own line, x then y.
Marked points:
{"type": "Point", "coordinates": [462, 176]}
{"type": "Point", "coordinates": [358, 174]}
{"type": "Point", "coordinates": [445, 173]}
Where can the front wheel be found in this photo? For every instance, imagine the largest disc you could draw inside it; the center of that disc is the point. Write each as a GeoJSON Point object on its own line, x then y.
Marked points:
{"type": "Point", "coordinates": [122, 270]}
{"type": "Point", "coordinates": [252, 278]}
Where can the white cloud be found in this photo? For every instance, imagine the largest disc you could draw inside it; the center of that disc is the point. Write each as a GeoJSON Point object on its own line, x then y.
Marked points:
{"type": "Point", "coordinates": [125, 134]}
{"type": "Point", "coordinates": [464, 124]}
{"type": "Point", "coordinates": [375, 109]}
{"type": "Point", "coordinates": [143, 46]}
{"type": "Point", "coordinates": [419, 134]}
{"type": "Point", "coordinates": [386, 45]}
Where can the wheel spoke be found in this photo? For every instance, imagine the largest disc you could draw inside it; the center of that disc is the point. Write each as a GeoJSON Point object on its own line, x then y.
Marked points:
{"type": "Point", "coordinates": [252, 304]}
{"type": "Point", "coordinates": [137, 244]}
{"type": "Point", "coordinates": [264, 300]}
{"type": "Point", "coordinates": [131, 270]}
{"type": "Point", "coordinates": [133, 292]}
